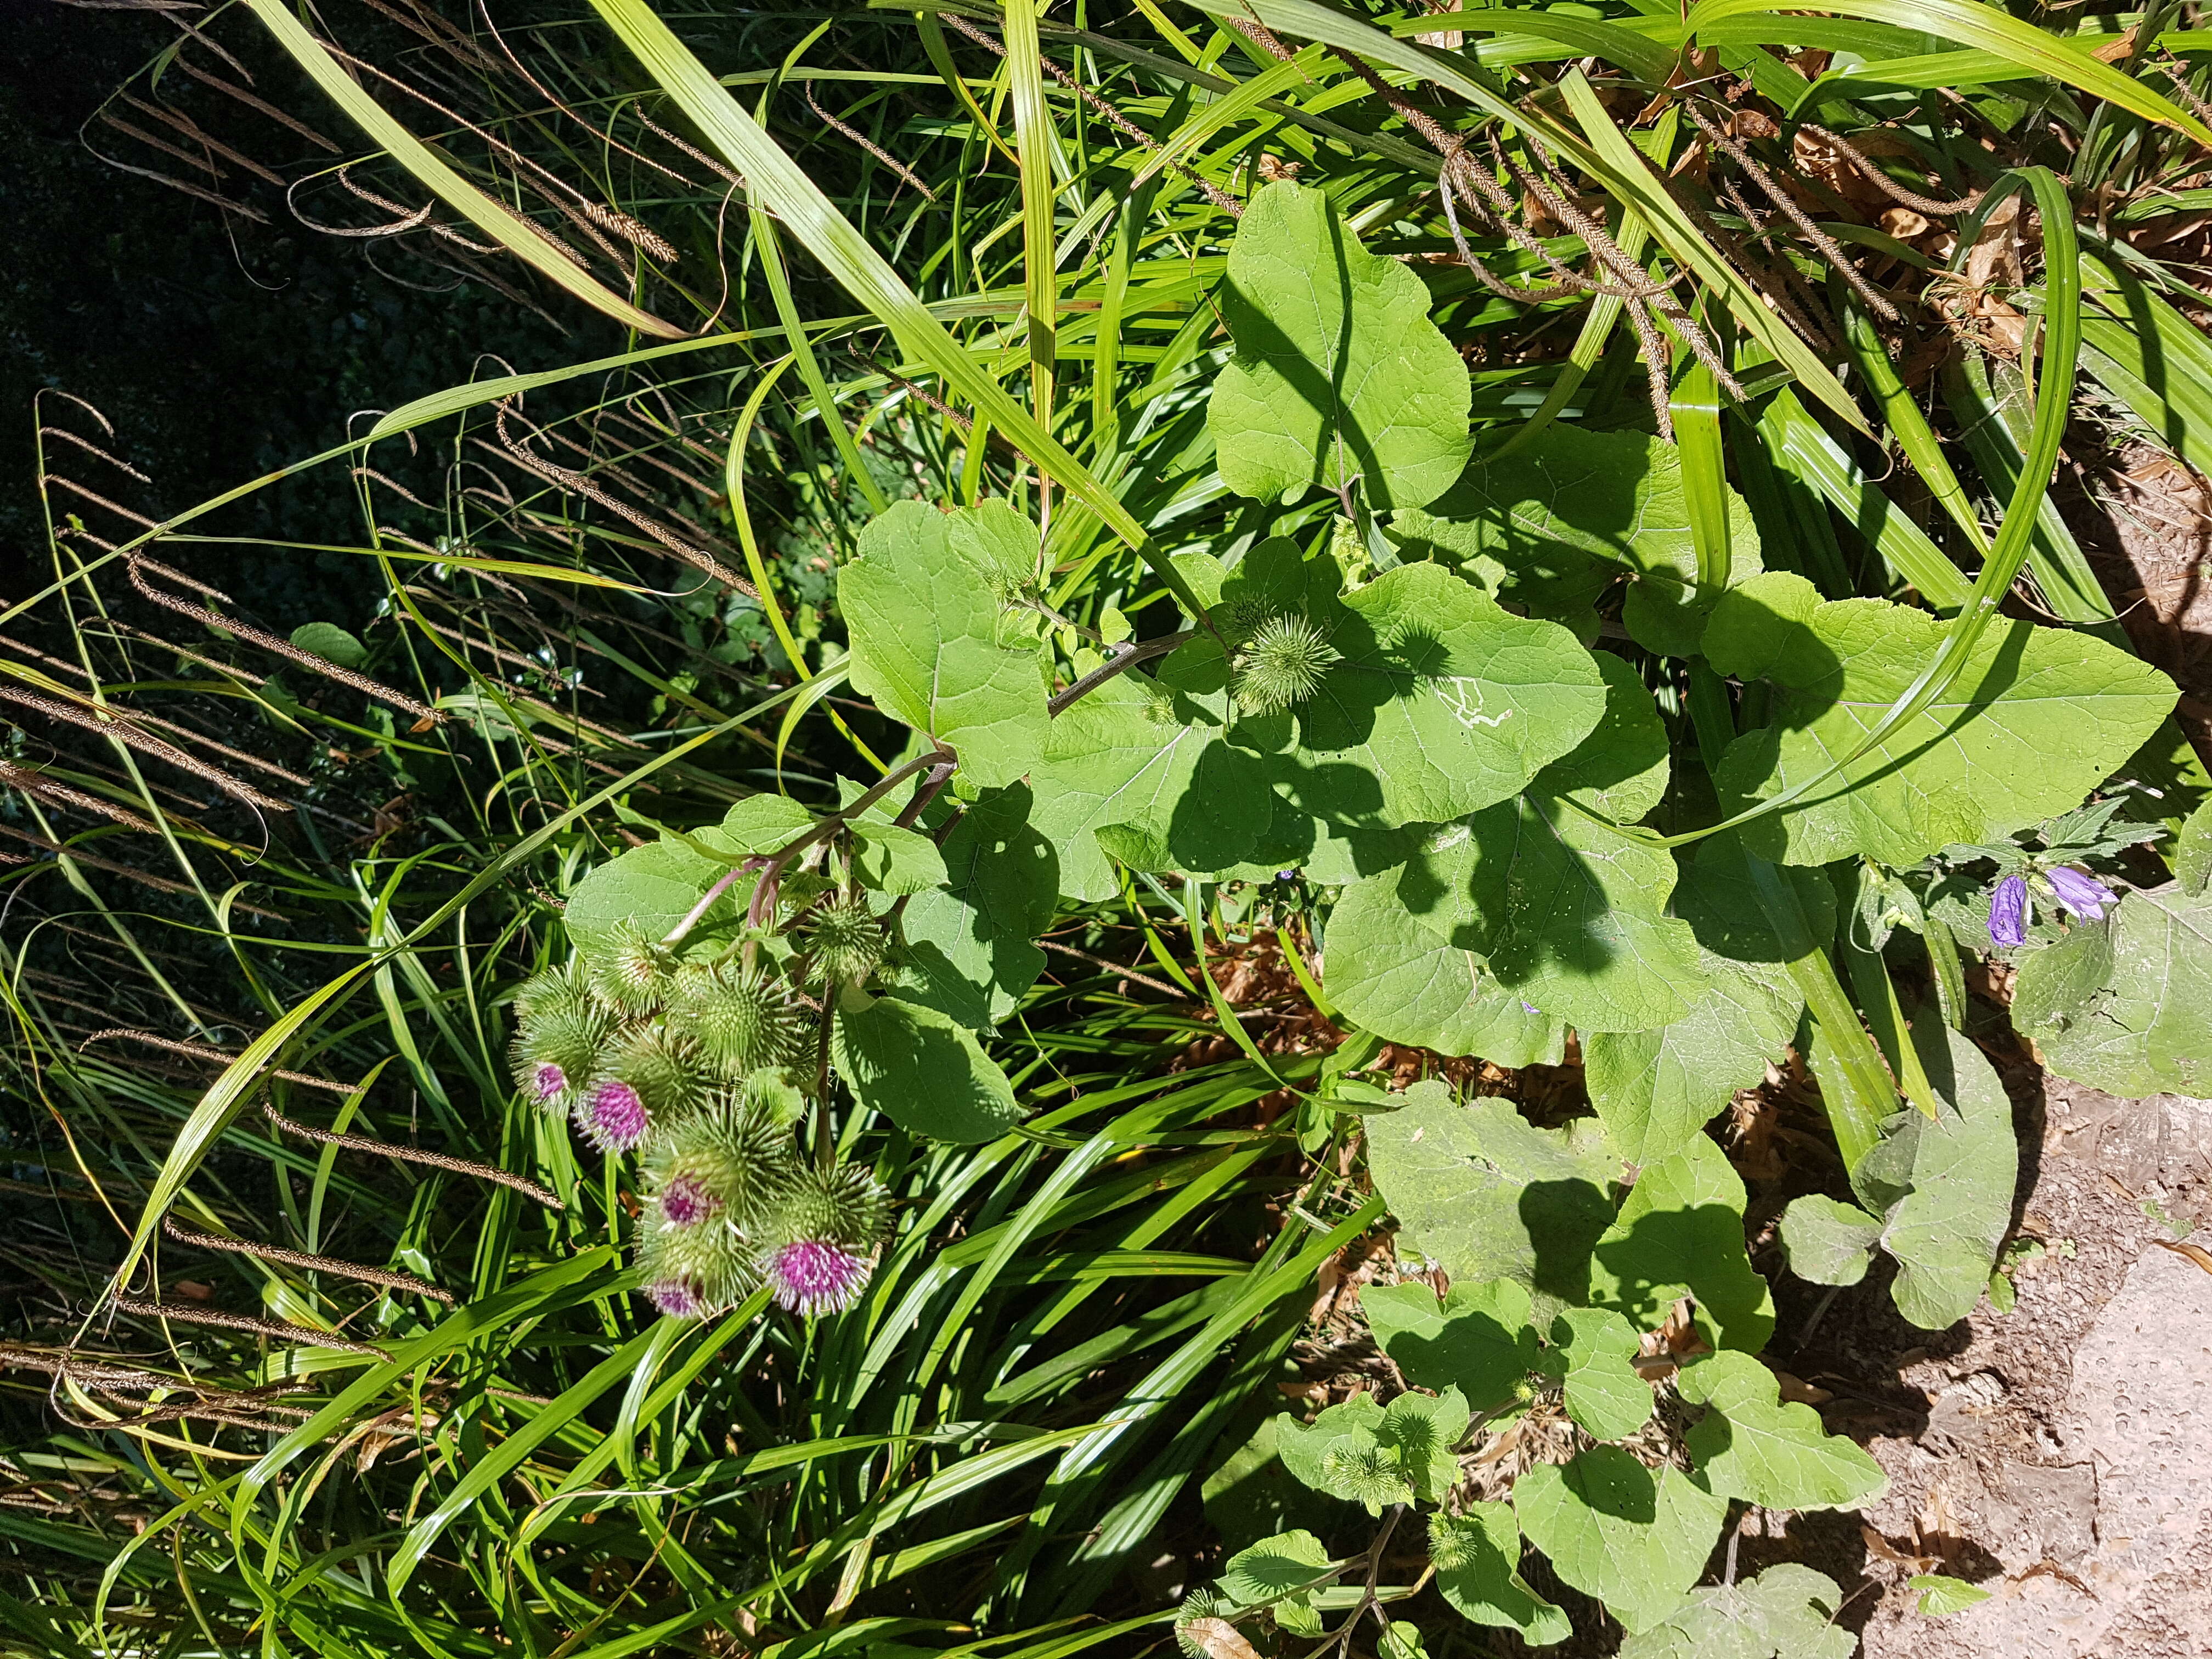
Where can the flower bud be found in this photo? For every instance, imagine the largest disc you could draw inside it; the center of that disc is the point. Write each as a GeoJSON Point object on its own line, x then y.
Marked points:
{"type": "Point", "coordinates": [842, 938]}
{"type": "Point", "coordinates": [2009, 912]}
{"type": "Point", "coordinates": [632, 975]}
{"type": "Point", "coordinates": [744, 1020]}
{"type": "Point", "coordinates": [729, 1160]}
{"type": "Point", "coordinates": [646, 1072]}
{"type": "Point", "coordinates": [1281, 665]}
{"type": "Point", "coordinates": [558, 1050]}
{"type": "Point", "coordinates": [552, 994]}
{"type": "Point", "coordinates": [692, 1270]}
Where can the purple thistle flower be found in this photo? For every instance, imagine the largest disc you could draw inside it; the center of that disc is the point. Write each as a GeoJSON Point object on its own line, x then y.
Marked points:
{"type": "Point", "coordinates": [612, 1116]}
{"type": "Point", "coordinates": [677, 1297]}
{"type": "Point", "coordinates": [548, 1082]}
{"type": "Point", "coordinates": [686, 1200]}
{"type": "Point", "coordinates": [2080, 893]}
{"type": "Point", "coordinates": [813, 1276]}
{"type": "Point", "coordinates": [2009, 912]}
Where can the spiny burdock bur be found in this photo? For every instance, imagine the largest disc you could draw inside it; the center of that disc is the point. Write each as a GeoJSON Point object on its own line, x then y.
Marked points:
{"type": "Point", "coordinates": [558, 1039]}
{"type": "Point", "coordinates": [634, 973]}
{"type": "Point", "coordinates": [731, 1158]}
{"type": "Point", "coordinates": [743, 1018]}
{"type": "Point", "coordinates": [841, 939]}
{"type": "Point", "coordinates": [1280, 663]}
{"type": "Point", "coordinates": [713, 1176]}
{"type": "Point", "coordinates": [648, 1073]}
{"type": "Point", "coordinates": [820, 1242]}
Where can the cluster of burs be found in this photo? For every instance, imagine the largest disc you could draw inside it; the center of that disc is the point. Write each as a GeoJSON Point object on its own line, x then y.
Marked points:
{"type": "Point", "coordinates": [696, 1067]}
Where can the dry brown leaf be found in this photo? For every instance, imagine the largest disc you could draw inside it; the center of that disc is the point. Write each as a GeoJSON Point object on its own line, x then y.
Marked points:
{"type": "Point", "coordinates": [1903, 223]}
{"type": "Point", "coordinates": [1217, 1638]}
{"type": "Point", "coordinates": [2115, 49]}
{"type": "Point", "coordinates": [2196, 1252]}
{"type": "Point", "coordinates": [1797, 1389]}
{"type": "Point", "coordinates": [1882, 1550]}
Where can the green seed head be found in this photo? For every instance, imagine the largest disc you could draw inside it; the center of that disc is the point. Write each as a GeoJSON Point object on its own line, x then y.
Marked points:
{"type": "Point", "coordinates": [744, 1020]}
{"type": "Point", "coordinates": [552, 994]}
{"type": "Point", "coordinates": [1281, 665]}
{"type": "Point", "coordinates": [843, 939]}
{"type": "Point", "coordinates": [633, 975]}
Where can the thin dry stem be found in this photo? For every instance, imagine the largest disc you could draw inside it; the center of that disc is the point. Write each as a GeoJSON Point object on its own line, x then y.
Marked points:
{"type": "Point", "coordinates": [274, 1329]}
{"type": "Point", "coordinates": [522, 1184]}
{"type": "Point", "coordinates": [304, 1259]}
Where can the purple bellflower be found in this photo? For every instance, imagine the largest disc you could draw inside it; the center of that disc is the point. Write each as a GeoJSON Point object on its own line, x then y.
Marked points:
{"type": "Point", "coordinates": [2081, 895]}
{"type": "Point", "coordinates": [2009, 912]}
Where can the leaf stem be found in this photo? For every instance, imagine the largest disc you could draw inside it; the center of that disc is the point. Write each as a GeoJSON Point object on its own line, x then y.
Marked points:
{"type": "Point", "coordinates": [1126, 658]}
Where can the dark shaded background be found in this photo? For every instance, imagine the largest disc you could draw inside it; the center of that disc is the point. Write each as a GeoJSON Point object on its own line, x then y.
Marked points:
{"type": "Point", "coordinates": [219, 348]}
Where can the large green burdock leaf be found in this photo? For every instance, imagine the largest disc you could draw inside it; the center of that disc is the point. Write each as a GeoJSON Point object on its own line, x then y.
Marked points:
{"type": "Point", "coordinates": [1680, 1233]}
{"type": "Point", "coordinates": [1571, 913]}
{"type": "Point", "coordinates": [1139, 769]}
{"type": "Point", "coordinates": [1827, 1241]}
{"type": "Point", "coordinates": [1478, 1558]}
{"type": "Point", "coordinates": [1592, 1354]}
{"type": "Point", "coordinates": [1960, 1170]}
{"type": "Point", "coordinates": [1405, 984]}
{"type": "Point", "coordinates": [1788, 1612]}
{"type": "Point", "coordinates": [1752, 1446]}
{"type": "Point", "coordinates": [2036, 719]}
{"type": "Point", "coordinates": [2125, 1005]}
{"type": "Point", "coordinates": [1478, 1340]}
{"type": "Point", "coordinates": [1655, 1090]}
{"type": "Point", "coordinates": [923, 1070]}
{"type": "Point", "coordinates": [654, 887]}
{"type": "Point", "coordinates": [1556, 520]}
{"type": "Point", "coordinates": [1943, 1188]}
{"type": "Point", "coordinates": [1439, 702]}
{"type": "Point", "coordinates": [1284, 1572]}
{"type": "Point", "coordinates": [1339, 373]}
{"type": "Point", "coordinates": [1485, 1193]}
{"type": "Point", "coordinates": [922, 602]}
{"type": "Point", "coordinates": [969, 942]}
{"type": "Point", "coordinates": [1613, 1529]}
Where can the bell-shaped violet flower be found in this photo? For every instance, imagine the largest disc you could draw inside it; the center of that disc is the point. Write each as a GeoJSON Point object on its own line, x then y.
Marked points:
{"type": "Point", "coordinates": [2079, 893]}
{"type": "Point", "coordinates": [2009, 912]}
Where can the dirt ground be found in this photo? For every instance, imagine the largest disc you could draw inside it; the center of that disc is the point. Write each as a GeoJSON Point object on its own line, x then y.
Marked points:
{"type": "Point", "coordinates": [2059, 1455]}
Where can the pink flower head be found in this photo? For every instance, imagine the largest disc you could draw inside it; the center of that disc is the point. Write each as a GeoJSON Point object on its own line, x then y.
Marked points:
{"type": "Point", "coordinates": [2080, 893]}
{"type": "Point", "coordinates": [2009, 912]}
{"type": "Point", "coordinates": [613, 1116]}
{"type": "Point", "coordinates": [547, 1081]}
{"type": "Point", "coordinates": [686, 1200]}
{"type": "Point", "coordinates": [677, 1297]}
{"type": "Point", "coordinates": [813, 1276]}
